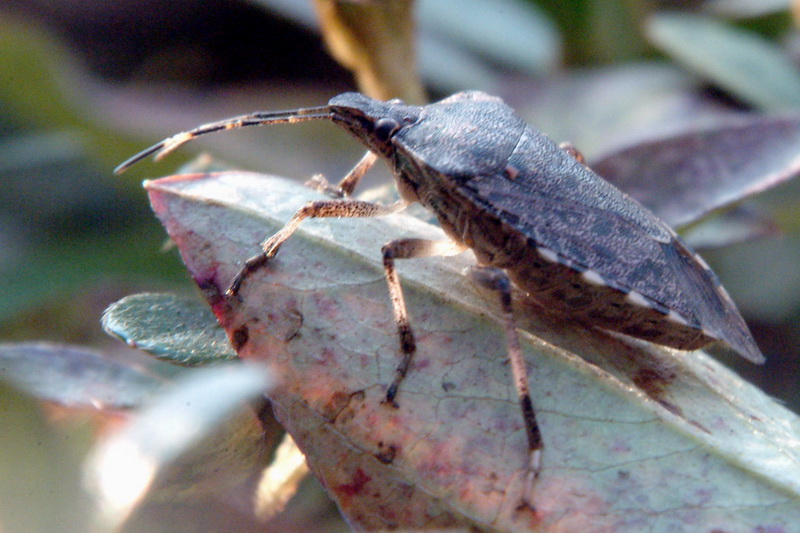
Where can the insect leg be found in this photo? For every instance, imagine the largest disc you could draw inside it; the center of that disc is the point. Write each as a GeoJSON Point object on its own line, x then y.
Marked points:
{"type": "Point", "coordinates": [314, 209]}
{"type": "Point", "coordinates": [348, 184]}
{"type": "Point", "coordinates": [408, 249]}
{"type": "Point", "coordinates": [497, 280]}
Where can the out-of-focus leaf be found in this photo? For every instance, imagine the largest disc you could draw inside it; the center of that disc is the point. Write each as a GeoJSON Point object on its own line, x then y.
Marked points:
{"type": "Point", "coordinates": [299, 12]}
{"type": "Point", "coordinates": [75, 377]}
{"type": "Point", "coordinates": [773, 298]}
{"type": "Point", "coordinates": [50, 185]}
{"type": "Point", "coordinates": [49, 90]}
{"type": "Point", "coordinates": [749, 67]}
{"type": "Point", "coordinates": [64, 224]}
{"type": "Point", "coordinates": [448, 68]}
{"type": "Point", "coordinates": [684, 177]}
{"type": "Point", "coordinates": [279, 482]}
{"type": "Point", "coordinates": [737, 225]}
{"type": "Point", "coordinates": [211, 485]}
{"type": "Point", "coordinates": [39, 470]}
{"type": "Point", "coordinates": [613, 30]}
{"type": "Point", "coordinates": [63, 267]}
{"type": "Point", "coordinates": [122, 467]}
{"type": "Point", "coordinates": [639, 101]}
{"type": "Point", "coordinates": [631, 430]}
{"type": "Point", "coordinates": [33, 150]}
{"type": "Point", "coordinates": [485, 27]}
{"type": "Point", "coordinates": [36, 93]}
{"type": "Point", "coordinates": [460, 48]}
{"type": "Point", "coordinates": [375, 40]}
{"type": "Point", "coordinates": [177, 329]}
{"type": "Point", "coordinates": [746, 8]}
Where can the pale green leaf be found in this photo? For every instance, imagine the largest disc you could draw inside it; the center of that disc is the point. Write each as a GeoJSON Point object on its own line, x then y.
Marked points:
{"type": "Point", "coordinates": [637, 437]}
{"type": "Point", "coordinates": [74, 376]}
{"type": "Point", "coordinates": [178, 329]}
{"type": "Point", "coordinates": [750, 67]}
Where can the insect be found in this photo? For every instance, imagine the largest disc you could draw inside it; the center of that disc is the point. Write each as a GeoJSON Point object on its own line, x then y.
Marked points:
{"type": "Point", "coordinates": [532, 213]}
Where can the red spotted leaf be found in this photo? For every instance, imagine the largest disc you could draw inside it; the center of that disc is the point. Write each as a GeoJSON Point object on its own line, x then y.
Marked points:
{"type": "Point", "coordinates": [634, 434]}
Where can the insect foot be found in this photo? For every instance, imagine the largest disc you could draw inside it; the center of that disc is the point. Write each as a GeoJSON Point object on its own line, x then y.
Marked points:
{"type": "Point", "coordinates": [533, 215]}
{"type": "Point", "coordinates": [251, 265]}
{"type": "Point", "coordinates": [345, 187]}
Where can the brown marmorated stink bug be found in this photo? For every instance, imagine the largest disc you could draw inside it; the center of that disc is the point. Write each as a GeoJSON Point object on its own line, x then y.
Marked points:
{"type": "Point", "coordinates": [532, 213]}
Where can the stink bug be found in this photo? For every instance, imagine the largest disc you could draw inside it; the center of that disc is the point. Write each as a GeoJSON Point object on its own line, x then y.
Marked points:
{"type": "Point", "coordinates": [533, 214]}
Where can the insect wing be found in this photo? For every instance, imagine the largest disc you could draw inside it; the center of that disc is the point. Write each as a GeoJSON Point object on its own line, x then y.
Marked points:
{"type": "Point", "coordinates": [588, 224]}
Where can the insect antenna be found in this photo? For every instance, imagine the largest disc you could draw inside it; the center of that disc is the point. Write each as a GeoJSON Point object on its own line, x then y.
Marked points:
{"type": "Point", "coordinates": [253, 119]}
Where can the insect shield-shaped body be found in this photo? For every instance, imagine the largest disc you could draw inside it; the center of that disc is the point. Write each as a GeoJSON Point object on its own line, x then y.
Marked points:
{"type": "Point", "coordinates": [564, 235]}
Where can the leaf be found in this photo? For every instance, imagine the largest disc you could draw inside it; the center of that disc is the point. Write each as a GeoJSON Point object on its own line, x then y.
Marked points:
{"type": "Point", "coordinates": [375, 40]}
{"type": "Point", "coordinates": [747, 66]}
{"type": "Point", "coordinates": [636, 436]}
{"type": "Point", "coordinates": [734, 226]}
{"type": "Point", "coordinates": [462, 48]}
{"type": "Point", "coordinates": [639, 101]}
{"type": "Point", "coordinates": [202, 404]}
{"type": "Point", "coordinates": [74, 376]}
{"type": "Point", "coordinates": [746, 8]}
{"type": "Point", "coordinates": [177, 329]}
{"type": "Point", "coordinates": [765, 277]}
{"type": "Point", "coordinates": [684, 177]}
{"type": "Point", "coordinates": [51, 88]}
{"type": "Point", "coordinates": [483, 31]}
{"type": "Point", "coordinates": [279, 482]}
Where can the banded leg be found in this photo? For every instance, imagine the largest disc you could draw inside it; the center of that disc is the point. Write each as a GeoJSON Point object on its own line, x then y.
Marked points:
{"type": "Point", "coordinates": [315, 209]}
{"type": "Point", "coordinates": [408, 249]}
{"type": "Point", "coordinates": [497, 280]}
{"type": "Point", "coordinates": [347, 185]}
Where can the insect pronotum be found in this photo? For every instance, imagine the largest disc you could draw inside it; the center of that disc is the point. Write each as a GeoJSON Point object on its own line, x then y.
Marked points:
{"type": "Point", "coordinates": [533, 214]}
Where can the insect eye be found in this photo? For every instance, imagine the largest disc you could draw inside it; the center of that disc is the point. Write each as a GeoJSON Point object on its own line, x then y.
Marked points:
{"type": "Point", "coordinates": [385, 128]}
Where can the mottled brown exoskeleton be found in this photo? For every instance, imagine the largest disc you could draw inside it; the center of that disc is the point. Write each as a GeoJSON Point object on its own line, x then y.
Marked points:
{"type": "Point", "coordinates": [533, 215]}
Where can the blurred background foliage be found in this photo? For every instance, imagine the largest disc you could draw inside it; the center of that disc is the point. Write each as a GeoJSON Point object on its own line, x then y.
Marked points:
{"type": "Point", "coordinates": [85, 84]}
